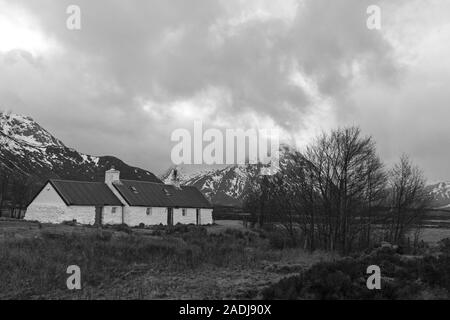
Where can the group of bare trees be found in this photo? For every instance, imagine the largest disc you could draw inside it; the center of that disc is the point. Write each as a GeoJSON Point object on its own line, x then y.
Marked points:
{"type": "Point", "coordinates": [337, 194]}
{"type": "Point", "coordinates": [16, 190]}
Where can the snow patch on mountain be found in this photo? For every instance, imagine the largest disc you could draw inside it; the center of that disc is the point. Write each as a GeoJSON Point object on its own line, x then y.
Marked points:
{"type": "Point", "coordinates": [229, 185]}
{"type": "Point", "coordinates": [440, 193]}
{"type": "Point", "coordinates": [222, 185]}
{"type": "Point", "coordinates": [24, 130]}
{"type": "Point", "coordinates": [28, 149]}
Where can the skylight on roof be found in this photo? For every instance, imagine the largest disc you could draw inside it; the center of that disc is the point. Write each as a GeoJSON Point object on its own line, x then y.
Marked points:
{"type": "Point", "coordinates": [167, 192]}
{"type": "Point", "coordinates": [133, 189]}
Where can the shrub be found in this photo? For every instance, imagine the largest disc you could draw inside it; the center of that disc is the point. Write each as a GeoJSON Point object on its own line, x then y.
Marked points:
{"type": "Point", "coordinates": [104, 235]}
{"type": "Point", "coordinates": [346, 278]}
{"type": "Point", "coordinates": [71, 223]}
{"type": "Point", "coordinates": [280, 240]}
{"type": "Point", "coordinates": [123, 228]}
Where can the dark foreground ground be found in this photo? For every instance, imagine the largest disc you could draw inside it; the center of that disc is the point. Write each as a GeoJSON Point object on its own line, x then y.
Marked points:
{"type": "Point", "coordinates": [223, 261]}
{"type": "Point", "coordinates": [217, 262]}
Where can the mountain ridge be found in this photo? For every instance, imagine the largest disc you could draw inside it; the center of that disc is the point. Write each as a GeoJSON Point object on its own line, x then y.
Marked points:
{"type": "Point", "coordinates": [441, 194]}
{"type": "Point", "coordinates": [29, 149]}
{"type": "Point", "coordinates": [221, 187]}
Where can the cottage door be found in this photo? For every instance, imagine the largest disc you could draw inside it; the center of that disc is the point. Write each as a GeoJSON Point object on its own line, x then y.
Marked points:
{"type": "Point", "coordinates": [170, 216]}
{"type": "Point", "coordinates": [98, 216]}
{"type": "Point", "coordinates": [199, 222]}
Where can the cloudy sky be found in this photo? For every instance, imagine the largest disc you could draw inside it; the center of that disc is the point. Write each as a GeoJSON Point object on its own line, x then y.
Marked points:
{"type": "Point", "coordinates": [137, 70]}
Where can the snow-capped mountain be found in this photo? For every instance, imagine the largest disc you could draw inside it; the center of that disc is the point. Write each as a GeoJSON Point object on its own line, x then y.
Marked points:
{"type": "Point", "coordinates": [228, 185]}
{"type": "Point", "coordinates": [441, 195]}
{"type": "Point", "coordinates": [225, 186]}
{"type": "Point", "coordinates": [29, 149]}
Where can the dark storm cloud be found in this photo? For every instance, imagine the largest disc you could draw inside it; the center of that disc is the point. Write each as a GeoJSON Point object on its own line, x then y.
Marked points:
{"type": "Point", "coordinates": [166, 50]}
{"type": "Point", "coordinates": [92, 90]}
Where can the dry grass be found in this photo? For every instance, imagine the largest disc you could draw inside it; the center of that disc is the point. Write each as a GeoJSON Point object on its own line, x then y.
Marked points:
{"type": "Point", "coordinates": [169, 263]}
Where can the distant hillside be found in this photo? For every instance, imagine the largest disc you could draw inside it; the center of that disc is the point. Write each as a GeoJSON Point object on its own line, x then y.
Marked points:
{"type": "Point", "coordinates": [29, 149]}
{"type": "Point", "coordinates": [228, 186]}
{"type": "Point", "coordinates": [225, 186]}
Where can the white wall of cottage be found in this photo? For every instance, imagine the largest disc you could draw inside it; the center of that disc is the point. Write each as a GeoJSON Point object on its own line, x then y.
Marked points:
{"type": "Point", "coordinates": [191, 216]}
{"type": "Point", "coordinates": [48, 207]}
{"type": "Point", "coordinates": [134, 216]}
{"type": "Point", "coordinates": [111, 217]}
{"type": "Point", "coordinates": [206, 216]}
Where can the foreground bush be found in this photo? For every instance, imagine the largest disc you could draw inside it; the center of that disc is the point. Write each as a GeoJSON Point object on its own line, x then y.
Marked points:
{"type": "Point", "coordinates": [402, 278]}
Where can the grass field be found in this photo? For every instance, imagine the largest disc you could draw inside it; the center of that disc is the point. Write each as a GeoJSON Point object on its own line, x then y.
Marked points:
{"type": "Point", "coordinates": [185, 262]}
{"type": "Point", "coordinates": [223, 261]}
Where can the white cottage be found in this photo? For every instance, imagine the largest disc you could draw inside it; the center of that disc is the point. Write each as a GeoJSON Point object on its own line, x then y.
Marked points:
{"type": "Point", "coordinates": [118, 201]}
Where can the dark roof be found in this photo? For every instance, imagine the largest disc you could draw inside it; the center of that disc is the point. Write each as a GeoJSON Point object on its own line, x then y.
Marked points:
{"type": "Point", "coordinates": [150, 194]}
{"type": "Point", "coordinates": [83, 193]}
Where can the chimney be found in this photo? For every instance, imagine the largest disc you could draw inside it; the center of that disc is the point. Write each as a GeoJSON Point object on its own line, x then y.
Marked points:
{"type": "Point", "coordinates": [112, 175]}
{"type": "Point", "coordinates": [175, 179]}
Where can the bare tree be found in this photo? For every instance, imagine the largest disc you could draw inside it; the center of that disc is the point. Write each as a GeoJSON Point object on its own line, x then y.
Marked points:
{"type": "Point", "coordinates": [408, 196]}
{"type": "Point", "coordinates": [257, 196]}
{"type": "Point", "coordinates": [337, 195]}
{"type": "Point", "coordinates": [347, 174]}
{"type": "Point", "coordinates": [4, 183]}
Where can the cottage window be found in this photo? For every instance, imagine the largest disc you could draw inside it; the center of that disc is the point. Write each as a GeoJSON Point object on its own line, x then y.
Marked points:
{"type": "Point", "coordinates": [183, 212]}
{"type": "Point", "coordinates": [113, 210]}
{"type": "Point", "coordinates": [149, 211]}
